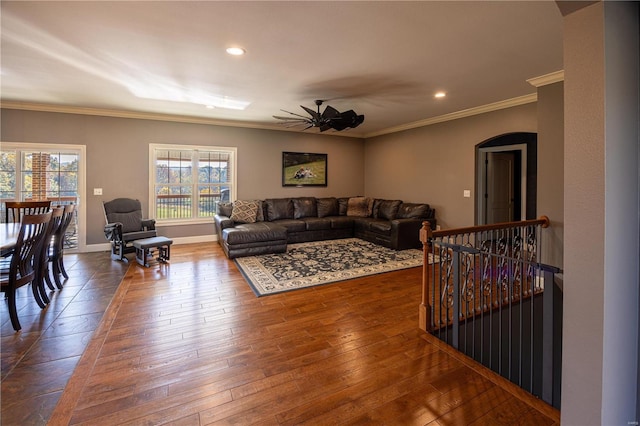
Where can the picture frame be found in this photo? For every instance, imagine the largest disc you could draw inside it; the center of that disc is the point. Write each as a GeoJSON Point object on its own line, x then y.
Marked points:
{"type": "Point", "coordinates": [304, 169]}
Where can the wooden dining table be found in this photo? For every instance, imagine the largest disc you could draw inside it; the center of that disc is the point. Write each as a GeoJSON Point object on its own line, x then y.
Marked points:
{"type": "Point", "coordinates": [8, 237]}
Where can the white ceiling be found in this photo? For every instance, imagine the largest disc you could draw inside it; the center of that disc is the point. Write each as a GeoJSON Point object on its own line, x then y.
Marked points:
{"type": "Point", "coordinates": [384, 59]}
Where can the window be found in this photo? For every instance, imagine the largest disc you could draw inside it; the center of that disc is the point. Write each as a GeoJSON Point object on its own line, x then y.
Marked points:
{"type": "Point", "coordinates": [44, 172]}
{"type": "Point", "coordinates": [189, 181]}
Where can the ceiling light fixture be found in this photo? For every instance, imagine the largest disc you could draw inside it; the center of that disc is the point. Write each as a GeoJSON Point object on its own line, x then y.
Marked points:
{"type": "Point", "coordinates": [439, 95]}
{"type": "Point", "coordinates": [235, 51]}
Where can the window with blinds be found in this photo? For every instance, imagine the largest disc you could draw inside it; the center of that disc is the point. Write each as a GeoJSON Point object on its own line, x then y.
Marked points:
{"type": "Point", "coordinates": [189, 181]}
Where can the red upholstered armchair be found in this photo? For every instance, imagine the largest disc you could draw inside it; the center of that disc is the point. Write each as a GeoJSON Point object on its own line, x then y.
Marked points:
{"type": "Point", "coordinates": [125, 225]}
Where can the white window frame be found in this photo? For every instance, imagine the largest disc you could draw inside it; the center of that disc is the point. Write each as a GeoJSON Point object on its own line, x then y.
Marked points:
{"type": "Point", "coordinates": [232, 181]}
{"type": "Point", "coordinates": [81, 150]}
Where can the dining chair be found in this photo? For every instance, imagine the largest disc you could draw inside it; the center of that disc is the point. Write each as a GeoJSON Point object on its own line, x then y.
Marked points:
{"type": "Point", "coordinates": [56, 254]}
{"type": "Point", "coordinates": [41, 263]}
{"type": "Point", "coordinates": [21, 270]}
{"type": "Point", "coordinates": [15, 210]}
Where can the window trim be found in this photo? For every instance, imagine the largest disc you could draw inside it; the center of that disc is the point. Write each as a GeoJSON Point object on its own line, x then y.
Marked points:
{"type": "Point", "coordinates": [153, 147]}
{"type": "Point", "coordinates": [82, 180]}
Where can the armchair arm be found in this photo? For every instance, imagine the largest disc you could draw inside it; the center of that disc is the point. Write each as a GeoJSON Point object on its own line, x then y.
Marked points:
{"type": "Point", "coordinates": [113, 231]}
{"type": "Point", "coordinates": [148, 224]}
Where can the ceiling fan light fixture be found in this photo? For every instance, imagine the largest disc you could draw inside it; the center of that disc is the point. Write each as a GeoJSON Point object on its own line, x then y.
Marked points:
{"type": "Point", "coordinates": [331, 118]}
{"type": "Point", "coordinates": [236, 51]}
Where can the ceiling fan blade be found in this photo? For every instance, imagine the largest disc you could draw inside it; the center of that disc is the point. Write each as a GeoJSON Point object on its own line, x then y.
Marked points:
{"type": "Point", "coordinates": [293, 113]}
{"type": "Point", "coordinates": [330, 112]}
{"type": "Point", "coordinates": [311, 112]}
{"type": "Point", "coordinates": [279, 117]}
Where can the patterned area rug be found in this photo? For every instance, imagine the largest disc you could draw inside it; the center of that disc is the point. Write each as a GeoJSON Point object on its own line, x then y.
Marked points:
{"type": "Point", "coordinates": [322, 262]}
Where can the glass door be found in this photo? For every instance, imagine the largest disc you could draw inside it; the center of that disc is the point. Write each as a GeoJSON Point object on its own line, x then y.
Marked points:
{"type": "Point", "coordinates": [30, 172]}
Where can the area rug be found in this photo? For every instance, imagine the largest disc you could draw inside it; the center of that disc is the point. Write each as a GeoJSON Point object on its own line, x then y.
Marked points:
{"type": "Point", "coordinates": [322, 262]}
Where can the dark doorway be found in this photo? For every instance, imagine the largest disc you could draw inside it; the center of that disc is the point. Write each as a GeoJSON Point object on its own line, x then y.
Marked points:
{"type": "Point", "coordinates": [506, 175]}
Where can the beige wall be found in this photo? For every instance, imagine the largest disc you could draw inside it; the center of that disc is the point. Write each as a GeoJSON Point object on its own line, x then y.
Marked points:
{"type": "Point", "coordinates": [601, 295]}
{"type": "Point", "coordinates": [551, 170]}
{"type": "Point", "coordinates": [435, 164]}
{"type": "Point", "coordinates": [118, 149]}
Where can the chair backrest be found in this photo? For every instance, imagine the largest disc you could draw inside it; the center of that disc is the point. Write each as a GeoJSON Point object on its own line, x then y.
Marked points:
{"type": "Point", "coordinates": [59, 234]}
{"type": "Point", "coordinates": [33, 230]}
{"type": "Point", "coordinates": [57, 216]}
{"type": "Point", "coordinates": [15, 210]}
{"type": "Point", "coordinates": [126, 211]}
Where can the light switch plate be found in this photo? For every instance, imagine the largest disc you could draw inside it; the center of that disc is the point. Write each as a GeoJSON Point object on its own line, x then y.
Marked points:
{"type": "Point", "coordinates": [97, 191]}
{"type": "Point", "coordinates": [467, 193]}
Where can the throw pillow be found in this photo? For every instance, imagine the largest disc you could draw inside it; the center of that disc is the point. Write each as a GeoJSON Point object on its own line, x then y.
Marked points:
{"type": "Point", "coordinates": [343, 202]}
{"type": "Point", "coordinates": [225, 208]}
{"type": "Point", "coordinates": [359, 206]}
{"type": "Point", "coordinates": [244, 211]}
{"type": "Point", "coordinates": [327, 206]}
{"type": "Point", "coordinates": [260, 215]}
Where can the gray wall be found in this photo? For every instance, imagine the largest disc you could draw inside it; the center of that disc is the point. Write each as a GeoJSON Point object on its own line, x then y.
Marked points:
{"type": "Point", "coordinates": [601, 279]}
{"type": "Point", "coordinates": [118, 150]}
{"type": "Point", "coordinates": [435, 164]}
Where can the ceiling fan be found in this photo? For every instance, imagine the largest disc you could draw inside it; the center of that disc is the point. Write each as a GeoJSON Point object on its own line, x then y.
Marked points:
{"type": "Point", "coordinates": [331, 118]}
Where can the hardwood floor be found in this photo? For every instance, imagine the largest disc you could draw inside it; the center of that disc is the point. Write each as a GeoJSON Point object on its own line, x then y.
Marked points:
{"type": "Point", "coordinates": [190, 344]}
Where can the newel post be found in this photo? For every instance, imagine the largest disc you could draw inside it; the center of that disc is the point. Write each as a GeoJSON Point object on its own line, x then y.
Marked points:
{"type": "Point", "coordinates": [424, 317]}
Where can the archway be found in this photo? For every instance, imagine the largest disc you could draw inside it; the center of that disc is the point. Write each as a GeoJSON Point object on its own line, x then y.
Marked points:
{"type": "Point", "coordinates": [506, 178]}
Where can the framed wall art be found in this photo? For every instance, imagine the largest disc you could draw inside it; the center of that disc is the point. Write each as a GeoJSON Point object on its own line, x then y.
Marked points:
{"type": "Point", "coordinates": [304, 169]}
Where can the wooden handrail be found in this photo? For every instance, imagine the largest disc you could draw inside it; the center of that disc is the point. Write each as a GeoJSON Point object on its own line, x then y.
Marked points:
{"type": "Point", "coordinates": [426, 234]}
{"type": "Point", "coordinates": [543, 221]}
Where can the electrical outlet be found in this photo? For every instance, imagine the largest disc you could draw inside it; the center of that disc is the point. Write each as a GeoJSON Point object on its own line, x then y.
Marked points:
{"type": "Point", "coordinates": [466, 193]}
{"type": "Point", "coordinates": [97, 191]}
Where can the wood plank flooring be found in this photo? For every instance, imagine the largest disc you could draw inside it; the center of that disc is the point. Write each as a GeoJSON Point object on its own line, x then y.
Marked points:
{"type": "Point", "coordinates": [190, 344]}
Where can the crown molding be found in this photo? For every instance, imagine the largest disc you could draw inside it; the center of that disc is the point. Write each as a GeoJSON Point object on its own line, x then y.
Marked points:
{"type": "Point", "coordinates": [550, 78]}
{"type": "Point", "coordinates": [65, 109]}
{"type": "Point", "coordinates": [508, 103]}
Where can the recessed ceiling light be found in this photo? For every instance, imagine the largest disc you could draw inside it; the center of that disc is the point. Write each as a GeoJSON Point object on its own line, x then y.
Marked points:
{"type": "Point", "coordinates": [235, 51]}
{"type": "Point", "coordinates": [210, 106]}
{"type": "Point", "coordinates": [440, 95]}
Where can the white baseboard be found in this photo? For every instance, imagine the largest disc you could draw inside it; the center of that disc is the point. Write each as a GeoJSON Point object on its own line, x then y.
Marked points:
{"type": "Point", "coordinates": [176, 241]}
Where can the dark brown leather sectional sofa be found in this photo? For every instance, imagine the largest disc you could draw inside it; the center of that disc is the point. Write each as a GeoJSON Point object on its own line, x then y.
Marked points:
{"type": "Point", "coordinates": [281, 221]}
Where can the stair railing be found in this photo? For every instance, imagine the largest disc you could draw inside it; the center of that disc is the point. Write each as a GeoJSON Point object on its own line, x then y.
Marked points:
{"type": "Point", "coordinates": [483, 292]}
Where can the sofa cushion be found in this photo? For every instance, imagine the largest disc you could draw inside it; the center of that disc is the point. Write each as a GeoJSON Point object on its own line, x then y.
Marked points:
{"type": "Point", "coordinates": [304, 207]}
{"type": "Point", "coordinates": [292, 225]}
{"type": "Point", "coordinates": [244, 211]}
{"type": "Point", "coordinates": [413, 211]}
{"type": "Point", "coordinates": [254, 232]}
{"type": "Point", "coordinates": [359, 206]}
{"type": "Point", "coordinates": [327, 206]}
{"type": "Point", "coordinates": [386, 209]}
{"type": "Point", "coordinates": [279, 208]}
{"type": "Point", "coordinates": [380, 226]}
{"type": "Point", "coordinates": [343, 204]}
{"type": "Point", "coordinates": [341, 222]}
{"type": "Point", "coordinates": [317, 223]}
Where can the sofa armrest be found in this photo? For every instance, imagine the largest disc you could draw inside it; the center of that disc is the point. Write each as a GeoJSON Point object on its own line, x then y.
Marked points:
{"type": "Point", "coordinates": [148, 224]}
{"type": "Point", "coordinates": [222, 222]}
{"type": "Point", "coordinates": [405, 233]}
